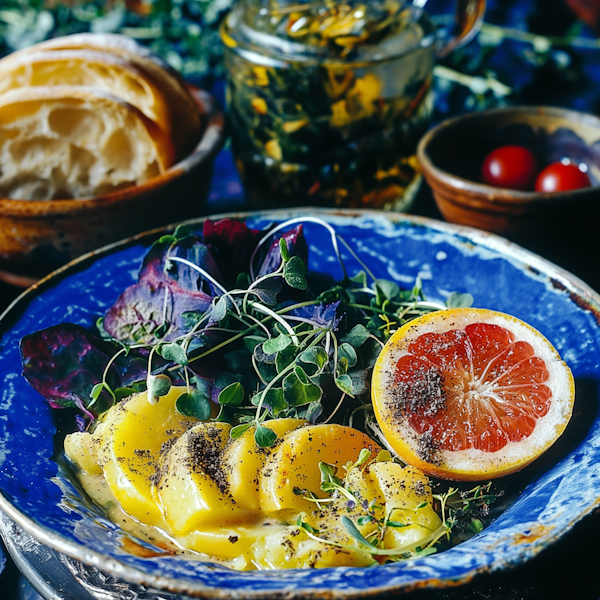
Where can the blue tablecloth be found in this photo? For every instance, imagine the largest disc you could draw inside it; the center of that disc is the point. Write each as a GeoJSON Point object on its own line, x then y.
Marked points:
{"type": "Point", "coordinates": [540, 55]}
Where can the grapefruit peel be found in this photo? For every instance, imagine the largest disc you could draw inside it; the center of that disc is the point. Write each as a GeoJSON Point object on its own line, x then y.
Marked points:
{"type": "Point", "coordinates": [469, 391]}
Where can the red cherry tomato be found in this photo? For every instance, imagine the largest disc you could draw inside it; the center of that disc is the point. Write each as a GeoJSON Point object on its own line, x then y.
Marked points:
{"type": "Point", "coordinates": [560, 177]}
{"type": "Point", "coordinates": [512, 167]}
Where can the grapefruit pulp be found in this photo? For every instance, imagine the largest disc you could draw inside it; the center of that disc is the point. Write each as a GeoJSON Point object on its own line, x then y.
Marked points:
{"type": "Point", "coordinates": [471, 394]}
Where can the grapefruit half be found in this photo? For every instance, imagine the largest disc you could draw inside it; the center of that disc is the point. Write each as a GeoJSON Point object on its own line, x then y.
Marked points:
{"type": "Point", "coordinates": [471, 394]}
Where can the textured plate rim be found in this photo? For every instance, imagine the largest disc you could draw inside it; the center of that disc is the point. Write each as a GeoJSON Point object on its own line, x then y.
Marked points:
{"type": "Point", "coordinates": [559, 277]}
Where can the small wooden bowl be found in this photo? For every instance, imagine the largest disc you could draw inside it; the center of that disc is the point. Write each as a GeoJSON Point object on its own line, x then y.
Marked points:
{"type": "Point", "coordinates": [452, 153]}
{"type": "Point", "coordinates": [39, 236]}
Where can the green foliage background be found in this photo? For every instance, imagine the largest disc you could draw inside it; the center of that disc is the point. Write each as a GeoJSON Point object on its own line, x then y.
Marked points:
{"type": "Point", "coordinates": [528, 52]}
{"type": "Point", "coordinates": [184, 32]}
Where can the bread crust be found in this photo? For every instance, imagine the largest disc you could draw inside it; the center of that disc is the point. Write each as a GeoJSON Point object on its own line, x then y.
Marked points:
{"type": "Point", "coordinates": [75, 141]}
{"type": "Point", "coordinates": [90, 68]}
{"type": "Point", "coordinates": [186, 125]}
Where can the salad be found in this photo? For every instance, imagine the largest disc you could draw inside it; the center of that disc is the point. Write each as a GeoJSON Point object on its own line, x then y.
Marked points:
{"type": "Point", "coordinates": [211, 375]}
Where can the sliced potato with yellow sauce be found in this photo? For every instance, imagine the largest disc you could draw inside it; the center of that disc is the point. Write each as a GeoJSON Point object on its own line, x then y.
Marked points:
{"type": "Point", "coordinates": [362, 488]}
{"type": "Point", "coordinates": [81, 448]}
{"type": "Point", "coordinates": [243, 460]}
{"type": "Point", "coordinates": [193, 489]}
{"type": "Point", "coordinates": [233, 501]}
{"type": "Point", "coordinates": [291, 549]}
{"type": "Point", "coordinates": [295, 463]}
{"type": "Point", "coordinates": [131, 440]}
{"type": "Point", "coordinates": [228, 541]}
{"type": "Point", "coordinates": [408, 500]}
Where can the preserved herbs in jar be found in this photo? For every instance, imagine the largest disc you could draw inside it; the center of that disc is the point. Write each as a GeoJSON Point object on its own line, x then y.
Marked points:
{"type": "Point", "coordinates": [327, 100]}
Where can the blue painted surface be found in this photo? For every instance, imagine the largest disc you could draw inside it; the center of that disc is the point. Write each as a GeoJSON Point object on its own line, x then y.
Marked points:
{"type": "Point", "coordinates": [448, 259]}
{"type": "Point", "coordinates": [514, 65]}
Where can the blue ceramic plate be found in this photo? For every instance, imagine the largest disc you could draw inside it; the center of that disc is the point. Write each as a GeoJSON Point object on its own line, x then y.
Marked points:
{"type": "Point", "coordinates": [562, 487]}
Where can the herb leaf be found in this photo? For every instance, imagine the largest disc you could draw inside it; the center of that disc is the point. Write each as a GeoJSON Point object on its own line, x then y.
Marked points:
{"type": "Point", "coordinates": [173, 352]}
{"type": "Point", "coordinates": [357, 336]}
{"type": "Point", "coordinates": [349, 353]}
{"type": "Point", "coordinates": [96, 390]}
{"type": "Point", "coordinates": [264, 437]}
{"type": "Point", "coordinates": [316, 356]}
{"type": "Point", "coordinates": [219, 310]}
{"type": "Point", "coordinates": [360, 279]}
{"type": "Point", "coordinates": [294, 273]}
{"type": "Point", "coordinates": [389, 289]}
{"type": "Point", "coordinates": [239, 430]}
{"type": "Point", "coordinates": [344, 383]}
{"type": "Point", "coordinates": [194, 404]}
{"type": "Point", "coordinates": [355, 533]}
{"type": "Point", "coordinates": [281, 342]}
{"type": "Point", "coordinates": [285, 253]}
{"type": "Point", "coordinates": [158, 385]}
{"type": "Point", "coordinates": [457, 300]}
{"type": "Point", "coordinates": [299, 390]}
{"type": "Point", "coordinates": [232, 395]}
{"type": "Point", "coordinates": [124, 392]}
{"type": "Point", "coordinates": [274, 399]}
{"type": "Point", "coordinates": [360, 381]}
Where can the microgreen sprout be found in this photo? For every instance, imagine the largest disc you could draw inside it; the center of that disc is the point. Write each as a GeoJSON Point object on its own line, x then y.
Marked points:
{"type": "Point", "coordinates": [311, 350]}
{"type": "Point", "coordinates": [465, 506]}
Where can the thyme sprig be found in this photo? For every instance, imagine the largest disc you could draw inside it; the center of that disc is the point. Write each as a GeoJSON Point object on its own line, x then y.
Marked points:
{"type": "Point", "coordinates": [378, 518]}
{"type": "Point", "coordinates": [461, 512]}
{"type": "Point", "coordinates": [466, 507]}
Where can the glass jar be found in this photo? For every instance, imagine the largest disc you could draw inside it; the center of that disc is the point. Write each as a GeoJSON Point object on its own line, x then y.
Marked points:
{"type": "Point", "coordinates": [327, 99]}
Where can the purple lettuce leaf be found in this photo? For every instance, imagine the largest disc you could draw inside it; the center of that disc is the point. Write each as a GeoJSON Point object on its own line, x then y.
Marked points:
{"type": "Point", "coordinates": [158, 307]}
{"type": "Point", "coordinates": [156, 270]}
{"type": "Point", "coordinates": [142, 309]}
{"type": "Point", "coordinates": [297, 246]}
{"type": "Point", "coordinates": [189, 278]}
{"type": "Point", "coordinates": [137, 314]}
{"type": "Point", "coordinates": [170, 294]}
{"type": "Point", "coordinates": [323, 315]}
{"type": "Point", "coordinates": [233, 243]}
{"type": "Point", "coordinates": [64, 362]}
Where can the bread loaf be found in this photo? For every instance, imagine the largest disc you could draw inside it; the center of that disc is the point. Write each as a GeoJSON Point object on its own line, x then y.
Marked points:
{"type": "Point", "coordinates": [59, 142]}
{"type": "Point", "coordinates": [185, 118]}
{"type": "Point", "coordinates": [91, 68]}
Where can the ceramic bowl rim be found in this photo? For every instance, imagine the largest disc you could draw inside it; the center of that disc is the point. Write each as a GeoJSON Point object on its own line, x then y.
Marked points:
{"type": "Point", "coordinates": [113, 567]}
{"type": "Point", "coordinates": [211, 141]}
{"type": "Point", "coordinates": [488, 193]}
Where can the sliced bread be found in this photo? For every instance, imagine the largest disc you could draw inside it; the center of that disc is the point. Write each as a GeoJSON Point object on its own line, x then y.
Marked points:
{"type": "Point", "coordinates": [91, 68]}
{"type": "Point", "coordinates": [186, 121]}
{"type": "Point", "coordinates": [59, 142]}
